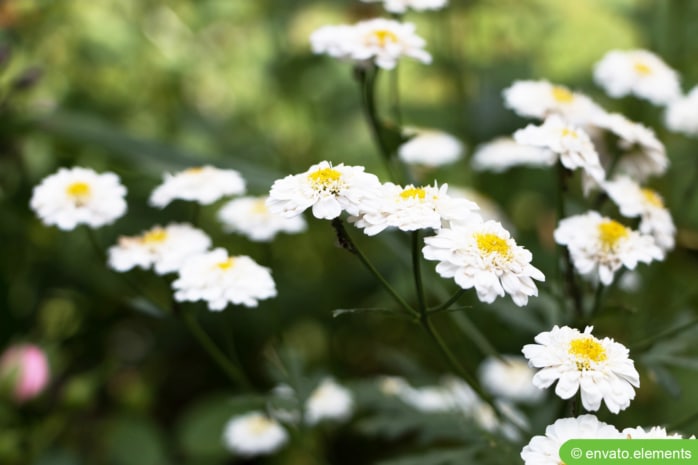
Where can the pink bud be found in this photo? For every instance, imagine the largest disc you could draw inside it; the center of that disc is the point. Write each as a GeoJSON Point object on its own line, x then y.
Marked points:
{"type": "Point", "coordinates": [25, 368]}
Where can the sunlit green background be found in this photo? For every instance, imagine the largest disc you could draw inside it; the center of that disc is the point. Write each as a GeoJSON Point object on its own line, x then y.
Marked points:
{"type": "Point", "coordinates": [140, 87]}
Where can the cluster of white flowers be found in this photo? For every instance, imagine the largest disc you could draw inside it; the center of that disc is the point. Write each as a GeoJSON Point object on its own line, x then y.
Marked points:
{"type": "Point", "coordinates": [203, 185]}
{"type": "Point", "coordinates": [401, 6]}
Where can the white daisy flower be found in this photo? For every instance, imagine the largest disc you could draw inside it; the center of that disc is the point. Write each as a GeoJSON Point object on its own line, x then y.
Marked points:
{"type": "Point", "coordinates": [164, 249]}
{"type": "Point", "coordinates": [599, 368]}
{"type": "Point", "coordinates": [637, 72]}
{"type": "Point", "coordinates": [636, 201]}
{"type": "Point", "coordinates": [545, 450]}
{"type": "Point", "coordinates": [203, 185]}
{"type": "Point", "coordinates": [572, 145]}
{"type": "Point", "coordinates": [333, 40]}
{"type": "Point", "coordinates": [251, 217]}
{"type": "Point", "coordinates": [221, 280]}
{"type": "Point", "coordinates": [410, 208]}
{"type": "Point", "coordinates": [682, 114]}
{"type": "Point", "coordinates": [328, 189]}
{"type": "Point", "coordinates": [484, 256]}
{"type": "Point", "coordinates": [74, 196]}
{"type": "Point", "coordinates": [655, 432]}
{"type": "Point", "coordinates": [509, 378]}
{"type": "Point", "coordinates": [401, 6]}
{"type": "Point", "coordinates": [254, 434]}
{"type": "Point", "coordinates": [600, 246]}
{"type": "Point", "coordinates": [329, 401]}
{"type": "Point", "coordinates": [430, 147]}
{"type": "Point", "coordinates": [541, 99]}
{"type": "Point", "coordinates": [503, 153]}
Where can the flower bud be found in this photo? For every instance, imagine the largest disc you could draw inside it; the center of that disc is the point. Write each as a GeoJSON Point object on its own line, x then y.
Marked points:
{"type": "Point", "coordinates": [25, 370]}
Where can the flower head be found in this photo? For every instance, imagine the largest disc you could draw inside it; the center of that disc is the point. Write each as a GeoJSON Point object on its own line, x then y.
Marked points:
{"type": "Point", "coordinates": [484, 256]}
{"type": "Point", "coordinates": [164, 249]}
{"type": "Point", "coordinates": [329, 401]}
{"type": "Point", "coordinates": [540, 99]}
{"type": "Point", "coordinates": [599, 368]}
{"type": "Point", "coordinates": [204, 185]}
{"type": "Point", "coordinates": [251, 217]}
{"type": "Point", "coordinates": [655, 432]}
{"type": "Point", "coordinates": [504, 152]}
{"type": "Point", "coordinates": [401, 6]}
{"type": "Point", "coordinates": [25, 370]}
{"type": "Point", "coordinates": [429, 147]}
{"type": "Point", "coordinates": [220, 279]}
{"type": "Point", "coordinates": [637, 72]}
{"type": "Point", "coordinates": [254, 434]}
{"type": "Point", "coordinates": [600, 246]}
{"type": "Point", "coordinates": [682, 114]}
{"type": "Point", "coordinates": [77, 196]}
{"type": "Point", "coordinates": [509, 378]}
{"type": "Point", "coordinates": [327, 189]}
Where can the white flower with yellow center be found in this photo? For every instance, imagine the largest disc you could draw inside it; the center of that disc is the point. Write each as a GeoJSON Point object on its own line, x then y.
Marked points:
{"type": "Point", "coordinates": [220, 280]}
{"type": "Point", "coordinates": [541, 99]}
{"type": "Point", "coordinates": [600, 246]}
{"type": "Point", "coordinates": [74, 196]}
{"type": "Point", "coordinates": [655, 432]}
{"type": "Point", "coordinates": [401, 6]}
{"type": "Point", "coordinates": [385, 42]}
{"type": "Point", "coordinates": [410, 208]}
{"type": "Point", "coordinates": [636, 201]}
{"type": "Point", "coordinates": [571, 144]}
{"type": "Point", "coordinates": [637, 72]}
{"type": "Point", "coordinates": [203, 185]}
{"type": "Point", "coordinates": [482, 255]}
{"type": "Point", "coordinates": [254, 434]}
{"type": "Point", "coordinates": [329, 401]}
{"type": "Point", "coordinates": [599, 368]}
{"type": "Point", "coordinates": [251, 217]}
{"type": "Point", "coordinates": [431, 148]}
{"type": "Point", "coordinates": [503, 153]}
{"type": "Point", "coordinates": [164, 249]}
{"type": "Point", "coordinates": [682, 114]}
{"type": "Point", "coordinates": [328, 190]}
{"type": "Point", "coordinates": [545, 449]}
{"type": "Point", "coordinates": [510, 378]}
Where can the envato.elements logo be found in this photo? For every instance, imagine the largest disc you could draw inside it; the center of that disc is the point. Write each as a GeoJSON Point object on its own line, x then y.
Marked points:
{"type": "Point", "coordinates": [629, 452]}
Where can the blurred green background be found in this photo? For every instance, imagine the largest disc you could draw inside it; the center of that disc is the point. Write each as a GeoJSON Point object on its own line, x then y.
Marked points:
{"type": "Point", "coordinates": [140, 87]}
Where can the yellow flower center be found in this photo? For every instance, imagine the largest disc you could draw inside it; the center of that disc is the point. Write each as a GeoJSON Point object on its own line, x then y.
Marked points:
{"type": "Point", "coordinates": [642, 69]}
{"type": "Point", "coordinates": [259, 425]}
{"type": "Point", "coordinates": [194, 170]}
{"type": "Point", "coordinates": [569, 133]}
{"type": "Point", "coordinates": [325, 179]}
{"type": "Point", "coordinates": [653, 198]}
{"type": "Point", "coordinates": [78, 190]}
{"type": "Point", "coordinates": [383, 36]}
{"type": "Point", "coordinates": [586, 350]}
{"type": "Point", "coordinates": [492, 244]}
{"type": "Point", "coordinates": [562, 95]}
{"type": "Point", "coordinates": [226, 264]}
{"type": "Point", "coordinates": [156, 235]}
{"type": "Point", "coordinates": [259, 207]}
{"type": "Point", "coordinates": [413, 193]}
{"type": "Point", "coordinates": [610, 232]}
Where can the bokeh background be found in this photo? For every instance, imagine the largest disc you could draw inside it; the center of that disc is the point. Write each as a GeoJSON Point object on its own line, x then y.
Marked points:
{"type": "Point", "coordinates": [144, 87]}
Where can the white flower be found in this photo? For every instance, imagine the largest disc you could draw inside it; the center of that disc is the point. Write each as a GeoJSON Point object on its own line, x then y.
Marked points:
{"type": "Point", "coordinates": [570, 143]}
{"type": "Point", "coordinates": [219, 280]}
{"type": "Point", "coordinates": [484, 256]}
{"type": "Point", "coordinates": [410, 208]}
{"type": "Point", "coordinates": [682, 114]}
{"type": "Point", "coordinates": [655, 432]}
{"type": "Point", "coordinates": [75, 196]}
{"type": "Point", "coordinates": [251, 217]}
{"type": "Point", "coordinates": [204, 185]}
{"type": "Point", "coordinates": [509, 378]}
{"type": "Point", "coordinates": [545, 450]}
{"type": "Point", "coordinates": [254, 434]}
{"type": "Point", "coordinates": [540, 99]}
{"type": "Point", "coordinates": [599, 368]}
{"type": "Point", "coordinates": [165, 249]}
{"type": "Point", "coordinates": [600, 246]}
{"type": "Point", "coordinates": [329, 401]}
{"type": "Point", "coordinates": [401, 6]}
{"type": "Point", "coordinates": [328, 189]}
{"type": "Point", "coordinates": [333, 40]}
{"type": "Point", "coordinates": [429, 147]}
{"type": "Point", "coordinates": [504, 152]}
{"type": "Point", "coordinates": [634, 200]}
{"type": "Point", "coordinates": [637, 72]}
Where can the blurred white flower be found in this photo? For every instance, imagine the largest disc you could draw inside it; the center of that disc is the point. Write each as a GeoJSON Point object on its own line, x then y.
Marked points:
{"type": "Point", "coordinates": [682, 114]}
{"type": "Point", "coordinates": [637, 72]}
{"type": "Point", "coordinates": [333, 40]}
{"type": "Point", "coordinates": [410, 208]}
{"type": "Point", "coordinates": [633, 201]}
{"type": "Point", "coordinates": [329, 401]}
{"type": "Point", "coordinates": [401, 6]}
{"type": "Point", "coordinates": [74, 196]}
{"type": "Point", "coordinates": [484, 256]}
{"type": "Point", "coordinates": [328, 189]}
{"type": "Point", "coordinates": [570, 143]}
{"type": "Point", "coordinates": [541, 99]}
{"type": "Point", "coordinates": [504, 152]}
{"type": "Point", "coordinates": [254, 434]}
{"type": "Point", "coordinates": [203, 185]}
{"type": "Point", "coordinates": [599, 368]}
{"type": "Point", "coordinates": [545, 450]}
{"type": "Point", "coordinates": [430, 147]}
{"type": "Point", "coordinates": [164, 249]}
{"type": "Point", "coordinates": [251, 217]}
{"type": "Point", "coordinates": [600, 246]}
{"type": "Point", "coordinates": [220, 280]}
{"type": "Point", "coordinates": [655, 432]}
{"type": "Point", "coordinates": [509, 378]}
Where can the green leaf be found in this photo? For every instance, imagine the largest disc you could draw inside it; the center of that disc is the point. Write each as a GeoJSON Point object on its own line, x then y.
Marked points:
{"type": "Point", "coordinates": [665, 379]}
{"type": "Point", "coordinates": [58, 457]}
{"type": "Point", "coordinates": [386, 311]}
{"type": "Point", "coordinates": [134, 441]}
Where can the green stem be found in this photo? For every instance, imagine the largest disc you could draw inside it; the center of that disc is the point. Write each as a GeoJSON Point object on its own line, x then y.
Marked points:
{"type": "Point", "coordinates": [475, 335]}
{"type": "Point", "coordinates": [395, 95]}
{"type": "Point", "coordinates": [569, 281]}
{"type": "Point", "coordinates": [598, 298]}
{"type": "Point", "coordinates": [446, 305]}
{"type": "Point", "coordinates": [416, 270]}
